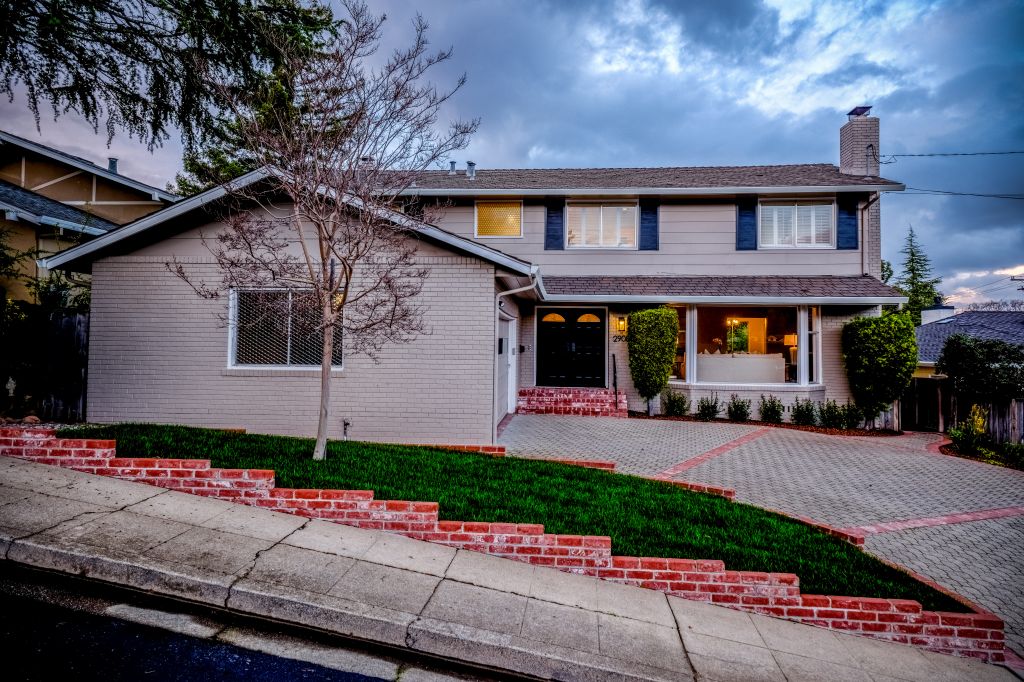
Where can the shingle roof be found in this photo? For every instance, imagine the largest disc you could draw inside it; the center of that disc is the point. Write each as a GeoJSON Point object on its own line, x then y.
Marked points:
{"type": "Point", "coordinates": [980, 324]}
{"type": "Point", "coordinates": [796, 175]}
{"type": "Point", "coordinates": [741, 286]}
{"type": "Point", "coordinates": [39, 206]}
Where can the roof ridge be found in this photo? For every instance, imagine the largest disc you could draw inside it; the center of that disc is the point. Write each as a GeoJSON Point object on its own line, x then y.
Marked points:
{"type": "Point", "coordinates": [629, 168]}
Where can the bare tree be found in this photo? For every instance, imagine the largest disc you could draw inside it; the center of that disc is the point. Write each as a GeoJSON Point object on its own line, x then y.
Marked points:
{"type": "Point", "coordinates": [319, 236]}
{"type": "Point", "coordinates": [1005, 305]}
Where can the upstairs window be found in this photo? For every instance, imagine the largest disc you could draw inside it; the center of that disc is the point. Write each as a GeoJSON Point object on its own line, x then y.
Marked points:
{"type": "Point", "coordinates": [601, 226]}
{"type": "Point", "coordinates": [278, 328]}
{"type": "Point", "coordinates": [499, 219]}
{"type": "Point", "coordinates": [804, 224]}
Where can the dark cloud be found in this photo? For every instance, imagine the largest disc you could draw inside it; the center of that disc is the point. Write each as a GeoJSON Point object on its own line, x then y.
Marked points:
{"type": "Point", "coordinates": [952, 80]}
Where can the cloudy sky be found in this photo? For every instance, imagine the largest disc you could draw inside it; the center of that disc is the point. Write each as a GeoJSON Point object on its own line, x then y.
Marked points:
{"type": "Point", "coordinates": [564, 83]}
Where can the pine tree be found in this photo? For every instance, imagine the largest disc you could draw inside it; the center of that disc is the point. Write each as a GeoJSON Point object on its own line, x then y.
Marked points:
{"type": "Point", "coordinates": [917, 281]}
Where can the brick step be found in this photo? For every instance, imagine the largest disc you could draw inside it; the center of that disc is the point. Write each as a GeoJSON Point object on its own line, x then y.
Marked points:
{"type": "Point", "coordinates": [599, 402]}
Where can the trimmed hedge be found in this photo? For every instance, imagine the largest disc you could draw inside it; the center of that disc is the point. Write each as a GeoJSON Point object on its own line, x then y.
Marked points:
{"type": "Point", "coordinates": [880, 354]}
{"type": "Point", "coordinates": [652, 349]}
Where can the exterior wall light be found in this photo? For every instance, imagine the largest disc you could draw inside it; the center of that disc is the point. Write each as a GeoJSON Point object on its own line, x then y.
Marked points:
{"type": "Point", "coordinates": [623, 322]}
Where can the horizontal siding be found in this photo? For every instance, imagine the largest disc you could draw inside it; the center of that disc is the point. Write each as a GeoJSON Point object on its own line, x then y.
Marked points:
{"type": "Point", "coordinates": [694, 240]}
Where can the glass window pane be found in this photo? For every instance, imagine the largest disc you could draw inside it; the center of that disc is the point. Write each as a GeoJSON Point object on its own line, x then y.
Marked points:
{"type": "Point", "coordinates": [746, 344]}
{"type": "Point", "coordinates": [604, 226]}
{"type": "Point", "coordinates": [261, 328]}
{"type": "Point", "coordinates": [307, 336]}
{"type": "Point", "coordinates": [499, 219]}
{"type": "Point", "coordinates": [805, 224]}
{"type": "Point", "coordinates": [679, 367]}
{"type": "Point", "coordinates": [767, 237]}
{"type": "Point", "coordinates": [823, 225]}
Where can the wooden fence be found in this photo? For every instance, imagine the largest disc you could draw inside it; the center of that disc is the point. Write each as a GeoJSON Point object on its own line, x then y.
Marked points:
{"type": "Point", "coordinates": [67, 353]}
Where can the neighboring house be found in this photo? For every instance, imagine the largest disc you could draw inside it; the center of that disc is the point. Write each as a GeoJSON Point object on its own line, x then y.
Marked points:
{"type": "Point", "coordinates": [941, 323]}
{"type": "Point", "coordinates": [51, 200]}
{"type": "Point", "coordinates": [532, 276]}
{"type": "Point", "coordinates": [926, 404]}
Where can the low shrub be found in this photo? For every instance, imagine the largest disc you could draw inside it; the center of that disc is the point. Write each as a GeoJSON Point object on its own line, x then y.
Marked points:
{"type": "Point", "coordinates": [831, 415]}
{"type": "Point", "coordinates": [738, 409]}
{"type": "Point", "coordinates": [675, 404]}
{"type": "Point", "coordinates": [1012, 454]}
{"type": "Point", "coordinates": [804, 412]}
{"type": "Point", "coordinates": [708, 408]}
{"type": "Point", "coordinates": [853, 418]}
{"type": "Point", "coordinates": [969, 438]}
{"type": "Point", "coordinates": [770, 409]}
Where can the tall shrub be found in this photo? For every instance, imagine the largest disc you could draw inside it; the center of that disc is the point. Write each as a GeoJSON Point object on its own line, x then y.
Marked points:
{"type": "Point", "coordinates": [652, 350]}
{"type": "Point", "coordinates": [983, 370]}
{"type": "Point", "coordinates": [880, 354]}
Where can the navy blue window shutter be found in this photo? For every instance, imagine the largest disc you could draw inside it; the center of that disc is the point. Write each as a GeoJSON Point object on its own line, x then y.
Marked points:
{"type": "Point", "coordinates": [846, 222]}
{"type": "Point", "coordinates": [746, 224]}
{"type": "Point", "coordinates": [648, 226]}
{"type": "Point", "coordinates": [554, 225]}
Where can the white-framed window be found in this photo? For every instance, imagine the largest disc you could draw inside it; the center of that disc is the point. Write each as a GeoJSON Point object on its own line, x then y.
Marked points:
{"type": "Point", "coordinates": [797, 224]}
{"type": "Point", "coordinates": [501, 219]}
{"type": "Point", "coordinates": [277, 328]}
{"type": "Point", "coordinates": [601, 225]}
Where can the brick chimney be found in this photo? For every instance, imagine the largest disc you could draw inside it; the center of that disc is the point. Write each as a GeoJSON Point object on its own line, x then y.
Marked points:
{"type": "Point", "coordinates": [858, 143]}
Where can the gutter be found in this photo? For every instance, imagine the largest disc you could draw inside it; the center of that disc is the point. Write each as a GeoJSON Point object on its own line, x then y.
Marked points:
{"type": "Point", "coordinates": [68, 225]}
{"type": "Point", "coordinates": [750, 300]}
{"type": "Point", "coordinates": [646, 191]}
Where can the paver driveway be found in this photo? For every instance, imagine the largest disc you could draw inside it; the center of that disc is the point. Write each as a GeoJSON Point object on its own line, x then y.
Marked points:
{"type": "Point", "coordinates": [842, 481]}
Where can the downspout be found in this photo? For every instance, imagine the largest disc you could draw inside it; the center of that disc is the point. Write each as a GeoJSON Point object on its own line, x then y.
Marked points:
{"type": "Point", "coordinates": [534, 280]}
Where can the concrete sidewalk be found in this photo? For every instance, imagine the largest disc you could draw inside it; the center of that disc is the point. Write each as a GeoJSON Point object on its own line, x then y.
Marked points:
{"type": "Point", "coordinates": [430, 599]}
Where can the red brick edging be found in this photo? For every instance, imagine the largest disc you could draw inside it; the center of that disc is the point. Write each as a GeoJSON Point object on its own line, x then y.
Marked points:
{"type": "Point", "coordinates": [979, 635]}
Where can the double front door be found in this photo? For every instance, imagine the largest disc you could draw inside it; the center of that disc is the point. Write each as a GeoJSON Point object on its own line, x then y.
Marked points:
{"type": "Point", "coordinates": [571, 346]}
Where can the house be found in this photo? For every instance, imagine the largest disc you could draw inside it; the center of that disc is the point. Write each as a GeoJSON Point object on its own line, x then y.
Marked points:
{"type": "Point", "coordinates": [940, 322]}
{"type": "Point", "coordinates": [532, 276]}
{"type": "Point", "coordinates": [926, 404]}
{"type": "Point", "coordinates": [52, 200]}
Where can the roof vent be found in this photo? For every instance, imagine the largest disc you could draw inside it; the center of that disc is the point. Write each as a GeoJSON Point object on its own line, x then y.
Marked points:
{"type": "Point", "coordinates": [858, 112]}
{"type": "Point", "coordinates": [451, 168]}
{"type": "Point", "coordinates": [112, 164]}
{"type": "Point", "coordinates": [470, 170]}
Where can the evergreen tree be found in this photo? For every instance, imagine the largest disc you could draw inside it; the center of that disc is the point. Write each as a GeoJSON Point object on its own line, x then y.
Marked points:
{"type": "Point", "coordinates": [145, 66]}
{"type": "Point", "coordinates": [917, 282]}
{"type": "Point", "coordinates": [887, 272]}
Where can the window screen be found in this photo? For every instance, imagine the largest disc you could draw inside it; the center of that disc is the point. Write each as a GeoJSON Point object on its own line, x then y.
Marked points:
{"type": "Point", "coordinates": [279, 328]}
{"type": "Point", "coordinates": [499, 219]}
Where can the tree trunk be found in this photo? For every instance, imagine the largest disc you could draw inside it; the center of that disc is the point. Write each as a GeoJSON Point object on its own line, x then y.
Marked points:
{"type": "Point", "coordinates": [650, 407]}
{"type": "Point", "coordinates": [320, 450]}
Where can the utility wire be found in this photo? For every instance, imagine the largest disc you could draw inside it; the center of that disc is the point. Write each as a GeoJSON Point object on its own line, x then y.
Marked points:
{"type": "Point", "coordinates": [899, 156]}
{"type": "Point", "coordinates": [920, 190]}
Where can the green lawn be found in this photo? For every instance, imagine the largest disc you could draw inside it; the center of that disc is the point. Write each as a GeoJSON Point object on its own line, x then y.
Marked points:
{"type": "Point", "coordinates": [643, 517]}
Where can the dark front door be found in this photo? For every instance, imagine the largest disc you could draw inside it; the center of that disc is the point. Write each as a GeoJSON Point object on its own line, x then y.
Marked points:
{"type": "Point", "coordinates": [570, 346]}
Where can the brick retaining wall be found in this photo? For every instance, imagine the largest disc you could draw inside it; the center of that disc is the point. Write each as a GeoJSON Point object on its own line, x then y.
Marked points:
{"type": "Point", "coordinates": [979, 635]}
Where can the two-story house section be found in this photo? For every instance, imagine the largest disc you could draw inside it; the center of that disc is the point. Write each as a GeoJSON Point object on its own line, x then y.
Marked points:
{"type": "Point", "coordinates": [763, 264]}
{"type": "Point", "coordinates": [531, 277]}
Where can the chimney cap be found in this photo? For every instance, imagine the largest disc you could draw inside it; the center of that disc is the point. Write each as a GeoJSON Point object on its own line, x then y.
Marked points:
{"type": "Point", "coordinates": [470, 170]}
{"type": "Point", "coordinates": [857, 112]}
{"type": "Point", "coordinates": [451, 168]}
{"type": "Point", "coordinates": [112, 164]}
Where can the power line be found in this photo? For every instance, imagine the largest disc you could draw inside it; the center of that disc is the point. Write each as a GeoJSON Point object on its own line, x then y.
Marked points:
{"type": "Point", "coordinates": [899, 156]}
{"type": "Point", "coordinates": [943, 192]}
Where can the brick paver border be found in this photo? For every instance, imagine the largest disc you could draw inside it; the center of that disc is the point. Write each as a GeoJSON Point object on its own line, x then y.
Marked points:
{"type": "Point", "coordinates": [929, 521]}
{"type": "Point", "coordinates": [677, 469]}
